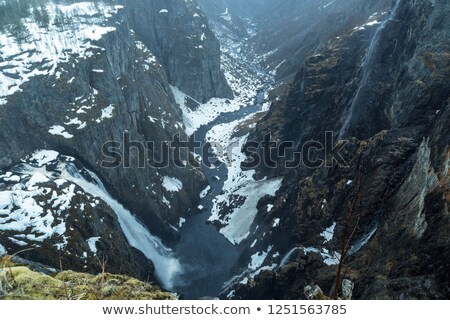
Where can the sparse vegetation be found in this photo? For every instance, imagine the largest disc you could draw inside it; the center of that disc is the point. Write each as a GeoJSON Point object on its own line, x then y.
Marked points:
{"type": "Point", "coordinates": [41, 16]}
{"type": "Point", "coordinates": [19, 282]}
{"type": "Point", "coordinates": [13, 11]}
{"type": "Point", "coordinates": [61, 19]}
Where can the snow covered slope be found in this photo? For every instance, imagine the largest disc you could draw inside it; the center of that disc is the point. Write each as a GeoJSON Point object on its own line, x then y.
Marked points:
{"type": "Point", "coordinates": [56, 213]}
{"type": "Point", "coordinates": [77, 74]}
{"type": "Point", "coordinates": [73, 76]}
{"type": "Point", "coordinates": [39, 49]}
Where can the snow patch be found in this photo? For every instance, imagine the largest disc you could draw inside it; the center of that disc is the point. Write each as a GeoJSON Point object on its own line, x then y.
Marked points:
{"type": "Point", "coordinates": [166, 202]}
{"type": "Point", "coordinates": [172, 184]}
{"type": "Point", "coordinates": [226, 15]}
{"type": "Point", "coordinates": [42, 157]}
{"type": "Point", "coordinates": [329, 233]}
{"type": "Point", "coordinates": [2, 251]}
{"type": "Point", "coordinates": [276, 223]}
{"type": "Point", "coordinates": [50, 46]}
{"type": "Point", "coordinates": [20, 211]}
{"type": "Point", "coordinates": [240, 183]}
{"type": "Point", "coordinates": [60, 131]}
{"type": "Point", "coordinates": [205, 192]}
{"type": "Point", "coordinates": [107, 113]}
{"type": "Point", "coordinates": [258, 259]}
{"type": "Point", "coordinates": [36, 179]}
{"type": "Point", "coordinates": [368, 24]}
{"type": "Point", "coordinates": [231, 294]}
{"type": "Point", "coordinates": [92, 243]}
{"type": "Point", "coordinates": [76, 122]}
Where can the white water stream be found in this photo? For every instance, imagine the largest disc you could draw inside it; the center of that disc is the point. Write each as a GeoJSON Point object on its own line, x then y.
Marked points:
{"type": "Point", "coordinates": [167, 267]}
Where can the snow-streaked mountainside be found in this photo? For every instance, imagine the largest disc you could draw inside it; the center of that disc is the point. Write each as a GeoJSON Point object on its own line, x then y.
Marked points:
{"type": "Point", "coordinates": [102, 78]}
{"type": "Point", "coordinates": [105, 73]}
{"type": "Point", "coordinates": [39, 203]}
{"type": "Point", "coordinates": [93, 92]}
{"type": "Point", "coordinates": [74, 75]}
{"type": "Point", "coordinates": [40, 49]}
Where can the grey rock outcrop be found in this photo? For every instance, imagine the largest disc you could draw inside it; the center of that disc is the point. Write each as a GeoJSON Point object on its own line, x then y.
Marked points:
{"type": "Point", "coordinates": [397, 148]}
{"type": "Point", "coordinates": [130, 70]}
{"type": "Point", "coordinates": [180, 38]}
{"type": "Point", "coordinates": [115, 81]}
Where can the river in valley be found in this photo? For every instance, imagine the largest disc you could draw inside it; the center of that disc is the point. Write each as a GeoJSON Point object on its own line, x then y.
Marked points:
{"type": "Point", "coordinates": [207, 257]}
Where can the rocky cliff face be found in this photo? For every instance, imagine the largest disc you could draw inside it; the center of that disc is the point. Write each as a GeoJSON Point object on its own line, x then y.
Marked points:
{"type": "Point", "coordinates": [381, 89]}
{"type": "Point", "coordinates": [372, 74]}
{"type": "Point", "coordinates": [293, 31]}
{"type": "Point", "coordinates": [180, 38]}
{"type": "Point", "coordinates": [87, 73]}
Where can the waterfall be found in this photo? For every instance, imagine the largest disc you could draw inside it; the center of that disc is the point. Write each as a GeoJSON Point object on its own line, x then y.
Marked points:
{"type": "Point", "coordinates": [166, 266]}
{"type": "Point", "coordinates": [288, 255]}
{"type": "Point", "coordinates": [362, 242]}
{"type": "Point", "coordinates": [367, 71]}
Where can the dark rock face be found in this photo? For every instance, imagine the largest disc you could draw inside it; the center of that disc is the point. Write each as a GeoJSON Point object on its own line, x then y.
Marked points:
{"type": "Point", "coordinates": [396, 183]}
{"type": "Point", "coordinates": [181, 39]}
{"type": "Point", "coordinates": [233, 15]}
{"type": "Point", "coordinates": [136, 84]}
{"type": "Point", "coordinates": [294, 30]}
{"type": "Point", "coordinates": [119, 85]}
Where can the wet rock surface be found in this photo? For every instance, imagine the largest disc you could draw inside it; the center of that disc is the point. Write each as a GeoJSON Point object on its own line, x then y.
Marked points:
{"type": "Point", "coordinates": [397, 151]}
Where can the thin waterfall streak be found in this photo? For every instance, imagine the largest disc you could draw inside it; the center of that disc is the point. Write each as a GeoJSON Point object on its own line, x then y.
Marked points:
{"type": "Point", "coordinates": [367, 71]}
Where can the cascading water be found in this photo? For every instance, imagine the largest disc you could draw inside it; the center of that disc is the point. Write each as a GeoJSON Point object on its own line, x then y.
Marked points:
{"type": "Point", "coordinates": [367, 71]}
{"type": "Point", "coordinates": [166, 266]}
{"type": "Point", "coordinates": [288, 256]}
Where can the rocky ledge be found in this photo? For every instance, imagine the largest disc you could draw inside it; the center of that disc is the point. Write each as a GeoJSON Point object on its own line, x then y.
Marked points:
{"type": "Point", "coordinates": [19, 280]}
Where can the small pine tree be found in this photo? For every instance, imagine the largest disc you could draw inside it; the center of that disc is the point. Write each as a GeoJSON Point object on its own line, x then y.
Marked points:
{"type": "Point", "coordinates": [41, 16]}
{"type": "Point", "coordinates": [37, 15]}
{"type": "Point", "coordinates": [59, 18]}
{"type": "Point", "coordinates": [45, 17]}
{"type": "Point", "coordinates": [19, 31]}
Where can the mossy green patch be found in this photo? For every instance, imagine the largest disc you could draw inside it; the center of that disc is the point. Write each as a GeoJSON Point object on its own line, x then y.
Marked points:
{"type": "Point", "coordinates": [21, 283]}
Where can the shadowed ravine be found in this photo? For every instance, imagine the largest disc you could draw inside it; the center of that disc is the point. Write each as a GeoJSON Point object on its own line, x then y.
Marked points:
{"type": "Point", "coordinates": [208, 259]}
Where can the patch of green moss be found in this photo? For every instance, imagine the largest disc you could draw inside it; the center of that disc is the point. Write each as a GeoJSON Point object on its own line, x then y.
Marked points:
{"type": "Point", "coordinates": [21, 283]}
